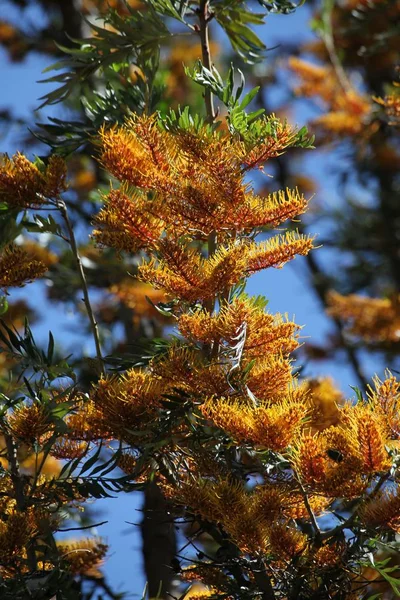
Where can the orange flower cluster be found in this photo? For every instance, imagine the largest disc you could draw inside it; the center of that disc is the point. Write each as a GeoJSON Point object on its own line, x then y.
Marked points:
{"type": "Point", "coordinates": [24, 185]}
{"type": "Point", "coordinates": [17, 267]}
{"type": "Point", "coordinates": [324, 401]}
{"type": "Point", "coordinates": [391, 105]}
{"type": "Point", "coordinates": [273, 426]}
{"type": "Point", "coordinates": [30, 422]}
{"type": "Point", "coordinates": [119, 405]}
{"type": "Point", "coordinates": [250, 517]}
{"type": "Point", "coordinates": [375, 320]}
{"type": "Point", "coordinates": [347, 109]}
{"type": "Point", "coordinates": [265, 333]}
{"type": "Point", "coordinates": [342, 458]}
{"type": "Point", "coordinates": [16, 532]}
{"type": "Point", "coordinates": [134, 294]}
{"type": "Point", "coordinates": [383, 510]}
{"type": "Point", "coordinates": [385, 396]}
{"type": "Point", "coordinates": [192, 183]}
{"type": "Point", "coordinates": [83, 556]}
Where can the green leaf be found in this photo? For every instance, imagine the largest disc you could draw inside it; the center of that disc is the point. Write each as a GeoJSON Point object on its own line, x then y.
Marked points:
{"type": "Point", "coordinates": [249, 97]}
{"type": "Point", "coordinates": [3, 305]}
{"type": "Point", "coordinates": [50, 348]}
{"type": "Point", "coordinates": [91, 461]}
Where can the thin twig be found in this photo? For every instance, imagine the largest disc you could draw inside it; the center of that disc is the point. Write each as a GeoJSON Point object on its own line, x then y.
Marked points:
{"type": "Point", "coordinates": [349, 522]}
{"type": "Point", "coordinates": [263, 581]}
{"type": "Point", "coordinates": [310, 511]}
{"type": "Point", "coordinates": [83, 527]}
{"type": "Point", "coordinates": [204, 20]}
{"type": "Point", "coordinates": [72, 242]}
{"type": "Point", "coordinates": [327, 38]}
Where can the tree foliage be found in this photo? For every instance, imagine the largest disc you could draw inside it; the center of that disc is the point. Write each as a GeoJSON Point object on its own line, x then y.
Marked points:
{"type": "Point", "coordinates": [283, 488]}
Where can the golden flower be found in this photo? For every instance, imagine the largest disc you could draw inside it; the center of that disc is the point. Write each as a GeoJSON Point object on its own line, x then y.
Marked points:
{"type": "Point", "coordinates": [30, 422]}
{"type": "Point", "coordinates": [17, 267]}
{"type": "Point", "coordinates": [23, 185]}
{"type": "Point", "coordinates": [324, 400]}
{"type": "Point", "coordinates": [16, 532]}
{"type": "Point", "coordinates": [383, 510]}
{"type": "Point", "coordinates": [124, 223]}
{"type": "Point", "coordinates": [386, 397]}
{"type": "Point", "coordinates": [329, 555]}
{"type": "Point", "coordinates": [277, 251]}
{"type": "Point", "coordinates": [286, 541]}
{"type": "Point", "coordinates": [270, 426]}
{"type": "Point", "coordinates": [66, 448]}
{"type": "Point", "coordinates": [83, 556]}
{"type": "Point", "coordinates": [373, 319]}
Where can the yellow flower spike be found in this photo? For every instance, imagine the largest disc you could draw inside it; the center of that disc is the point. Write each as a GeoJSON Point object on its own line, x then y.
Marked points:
{"type": "Point", "coordinates": [296, 509]}
{"type": "Point", "coordinates": [17, 267]}
{"type": "Point", "coordinates": [30, 422]}
{"type": "Point", "coordinates": [198, 326]}
{"type": "Point", "coordinates": [286, 541]}
{"type": "Point", "coordinates": [265, 333]}
{"type": "Point", "coordinates": [129, 157]}
{"type": "Point", "coordinates": [343, 440]}
{"type": "Point", "coordinates": [329, 555]}
{"type": "Point", "coordinates": [23, 185]}
{"type": "Point", "coordinates": [372, 438]}
{"type": "Point", "coordinates": [277, 251]}
{"type": "Point", "coordinates": [224, 268]}
{"type": "Point", "coordinates": [383, 510]}
{"type": "Point", "coordinates": [15, 534]}
{"type": "Point", "coordinates": [231, 416]}
{"type": "Point", "coordinates": [207, 573]}
{"type": "Point", "coordinates": [270, 377]}
{"type": "Point", "coordinates": [178, 272]}
{"type": "Point", "coordinates": [272, 427]}
{"type": "Point", "coordinates": [270, 211]}
{"type": "Point", "coordinates": [277, 426]}
{"type": "Point", "coordinates": [373, 319]}
{"type": "Point", "coordinates": [127, 402]}
{"type": "Point", "coordinates": [66, 448]}
{"type": "Point", "coordinates": [199, 592]}
{"type": "Point", "coordinates": [83, 556]}
{"type": "Point", "coordinates": [124, 223]}
{"type": "Point", "coordinates": [324, 400]}
{"type": "Point", "coordinates": [310, 459]}
{"type": "Point", "coordinates": [268, 502]}
{"type": "Point", "coordinates": [386, 398]}
{"type": "Point", "coordinates": [55, 176]}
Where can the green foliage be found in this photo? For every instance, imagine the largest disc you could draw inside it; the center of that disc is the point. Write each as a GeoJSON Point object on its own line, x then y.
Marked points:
{"type": "Point", "coordinates": [23, 348]}
{"type": "Point", "coordinates": [235, 18]}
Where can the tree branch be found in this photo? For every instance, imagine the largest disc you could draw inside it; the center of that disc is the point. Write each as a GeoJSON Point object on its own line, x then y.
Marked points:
{"type": "Point", "coordinates": [72, 242]}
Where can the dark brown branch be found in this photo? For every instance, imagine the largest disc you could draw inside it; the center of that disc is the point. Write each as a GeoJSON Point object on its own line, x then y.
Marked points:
{"type": "Point", "coordinates": [263, 581]}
